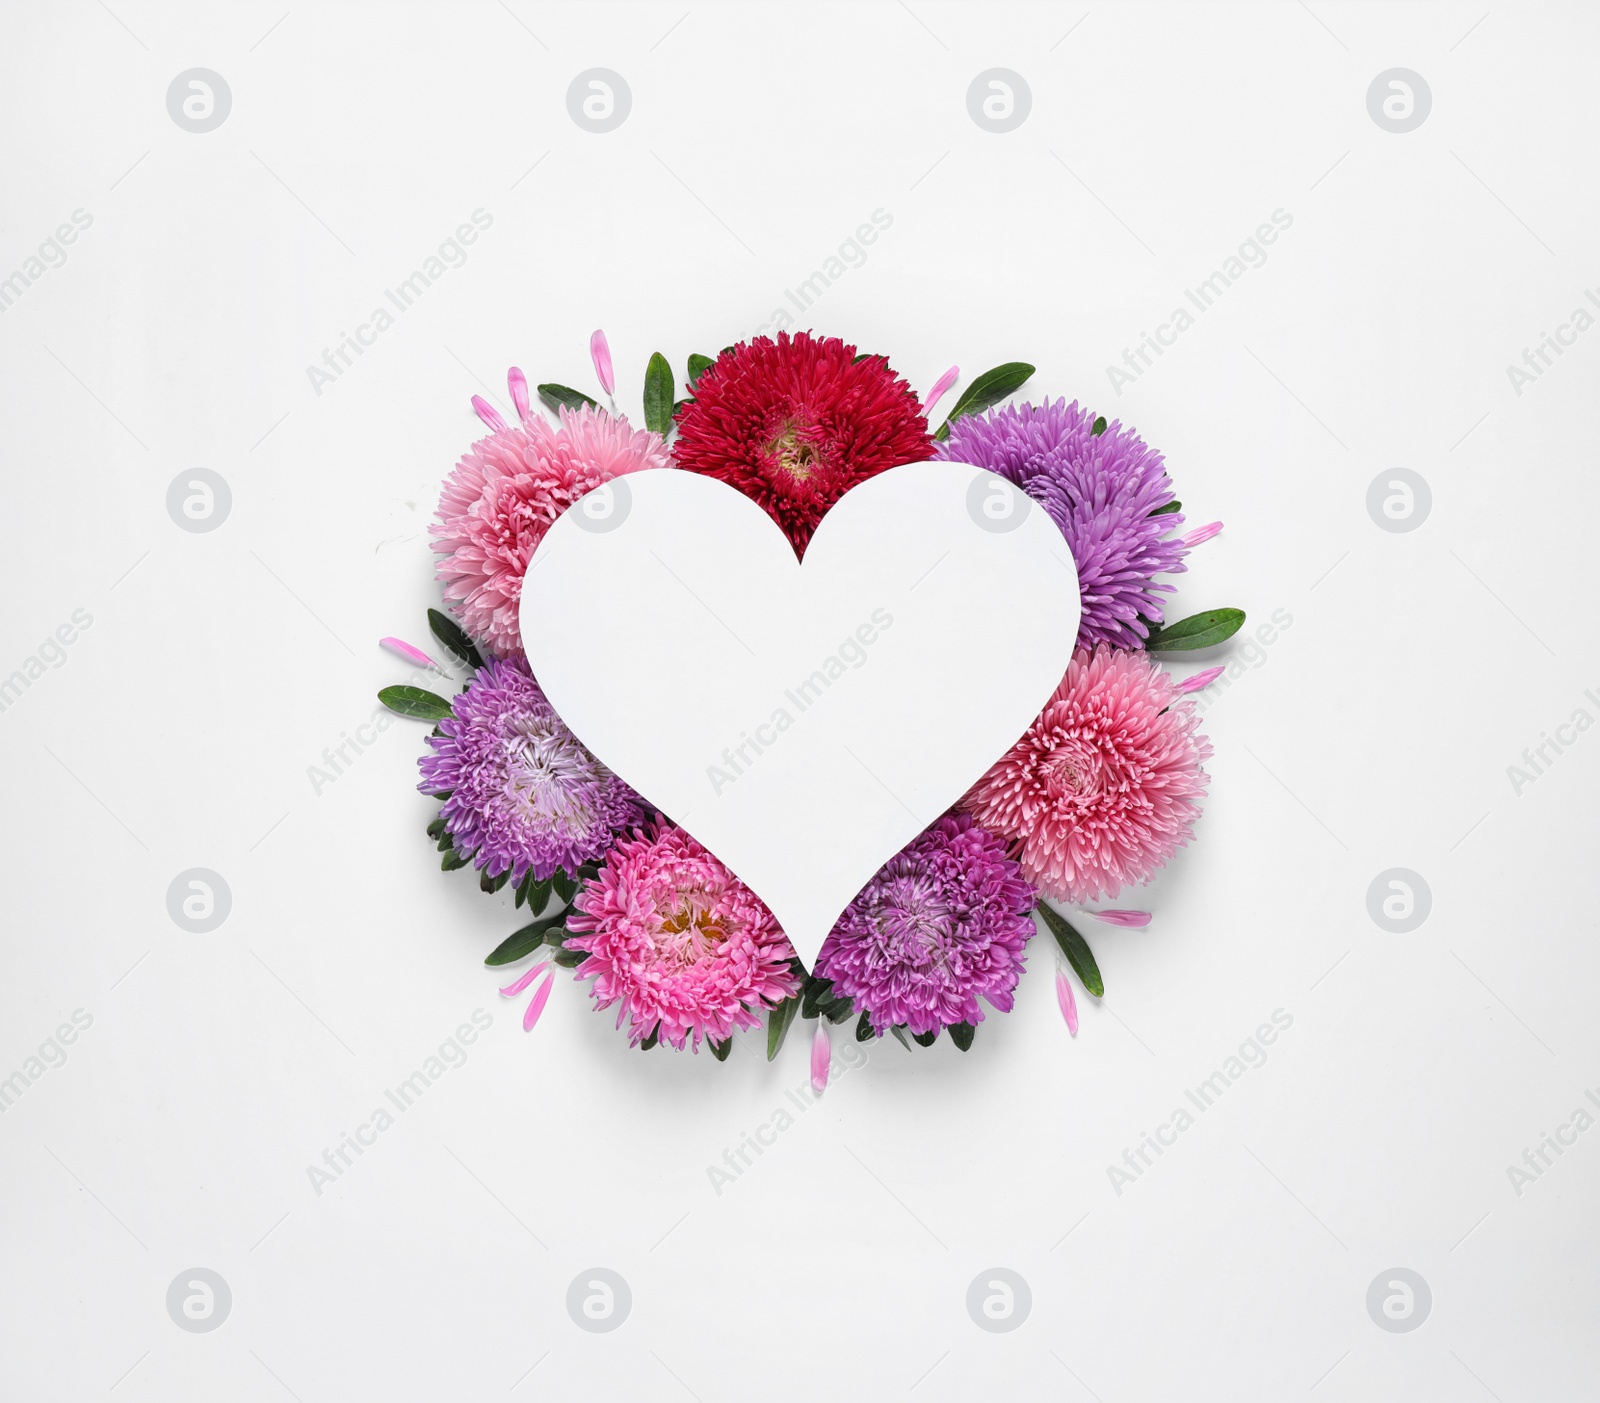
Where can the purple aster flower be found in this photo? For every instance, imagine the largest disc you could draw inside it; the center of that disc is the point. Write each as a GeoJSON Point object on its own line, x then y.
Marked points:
{"type": "Point", "coordinates": [525, 794]}
{"type": "Point", "coordinates": [1100, 489]}
{"type": "Point", "coordinates": [943, 921]}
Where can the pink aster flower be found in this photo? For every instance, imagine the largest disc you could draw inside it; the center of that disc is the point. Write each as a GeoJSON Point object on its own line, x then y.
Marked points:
{"type": "Point", "coordinates": [681, 944]}
{"type": "Point", "coordinates": [506, 491]}
{"type": "Point", "coordinates": [1102, 789]}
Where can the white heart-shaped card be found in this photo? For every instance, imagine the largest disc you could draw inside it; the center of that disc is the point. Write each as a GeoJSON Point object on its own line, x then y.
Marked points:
{"type": "Point", "coordinates": [803, 721]}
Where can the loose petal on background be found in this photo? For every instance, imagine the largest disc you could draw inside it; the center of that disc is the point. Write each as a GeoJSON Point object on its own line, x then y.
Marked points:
{"type": "Point", "coordinates": [1069, 1005]}
{"type": "Point", "coordinates": [1122, 918]}
{"type": "Point", "coordinates": [601, 351]}
{"type": "Point", "coordinates": [1201, 534]}
{"type": "Point", "coordinates": [1200, 680]}
{"type": "Point", "coordinates": [526, 978]}
{"type": "Point", "coordinates": [539, 1001]}
{"type": "Point", "coordinates": [488, 413]}
{"type": "Point", "coordinates": [406, 651]}
{"type": "Point", "coordinates": [943, 383]}
{"type": "Point", "coordinates": [517, 382]}
{"type": "Point", "coordinates": [821, 1054]}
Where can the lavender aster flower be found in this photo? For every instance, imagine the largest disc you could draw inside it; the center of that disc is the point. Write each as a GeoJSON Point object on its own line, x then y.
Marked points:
{"type": "Point", "coordinates": [1100, 490]}
{"type": "Point", "coordinates": [524, 792]}
{"type": "Point", "coordinates": [943, 921]}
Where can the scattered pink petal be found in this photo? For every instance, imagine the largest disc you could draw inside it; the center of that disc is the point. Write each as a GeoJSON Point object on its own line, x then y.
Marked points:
{"type": "Point", "coordinates": [540, 999]}
{"type": "Point", "coordinates": [821, 1055]}
{"type": "Point", "coordinates": [1200, 680]}
{"type": "Point", "coordinates": [1201, 534]}
{"type": "Point", "coordinates": [943, 383]}
{"type": "Point", "coordinates": [406, 651]}
{"type": "Point", "coordinates": [527, 978]}
{"type": "Point", "coordinates": [601, 351]}
{"type": "Point", "coordinates": [517, 382]}
{"type": "Point", "coordinates": [1069, 1005]}
{"type": "Point", "coordinates": [488, 413]}
{"type": "Point", "coordinates": [1122, 918]}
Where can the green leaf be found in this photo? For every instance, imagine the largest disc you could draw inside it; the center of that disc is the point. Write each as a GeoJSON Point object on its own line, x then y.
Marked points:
{"type": "Point", "coordinates": [451, 861]}
{"type": "Point", "coordinates": [658, 391]}
{"type": "Point", "coordinates": [778, 1024]}
{"type": "Point", "coordinates": [454, 637]}
{"type": "Point", "coordinates": [961, 1035]}
{"type": "Point", "coordinates": [987, 391]}
{"type": "Point", "coordinates": [415, 701]}
{"type": "Point", "coordinates": [1075, 948]}
{"type": "Point", "coordinates": [698, 365]}
{"type": "Point", "coordinates": [557, 395]}
{"type": "Point", "coordinates": [925, 1039]}
{"type": "Point", "coordinates": [436, 827]}
{"type": "Point", "coordinates": [1197, 631]}
{"type": "Point", "coordinates": [1098, 427]}
{"type": "Point", "coordinates": [838, 1010]}
{"type": "Point", "coordinates": [720, 1050]}
{"type": "Point", "coordinates": [652, 1040]}
{"type": "Point", "coordinates": [864, 1029]}
{"type": "Point", "coordinates": [492, 884]}
{"type": "Point", "coordinates": [564, 886]}
{"type": "Point", "coordinates": [445, 842]}
{"type": "Point", "coordinates": [900, 1035]}
{"type": "Point", "coordinates": [520, 943]}
{"type": "Point", "coordinates": [569, 959]}
{"type": "Point", "coordinates": [1173, 506]}
{"type": "Point", "coordinates": [538, 895]}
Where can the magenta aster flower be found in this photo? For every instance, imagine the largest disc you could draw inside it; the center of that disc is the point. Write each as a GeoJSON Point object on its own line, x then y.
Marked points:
{"type": "Point", "coordinates": [525, 794]}
{"type": "Point", "coordinates": [1103, 787]}
{"type": "Point", "coordinates": [943, 921]}
{"type": "Point", "coordinates": [505, 492]}
{"type": "Point", "coordinates": [681, 944]}
{"type": "Point", "coordinates": [1100, 489]}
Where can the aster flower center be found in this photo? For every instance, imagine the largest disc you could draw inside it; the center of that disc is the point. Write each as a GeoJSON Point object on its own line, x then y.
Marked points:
{"type": "Point", "coordinates": [794, 454]}
{"type": "Point", "coordinates": [692, 932]}
{"type": "Point", "coordinates": [545, 771]}
{"type": "Point", "coordinates": [1074, 771]}
{"type": "Point", "coordinates": [915, 925]}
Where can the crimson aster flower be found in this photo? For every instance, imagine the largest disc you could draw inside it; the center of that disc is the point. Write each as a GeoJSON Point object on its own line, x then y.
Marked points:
{"type": "Point", "coordinates": [795, 423]}
{"type": "Point", "coordinates": [1104, 786]}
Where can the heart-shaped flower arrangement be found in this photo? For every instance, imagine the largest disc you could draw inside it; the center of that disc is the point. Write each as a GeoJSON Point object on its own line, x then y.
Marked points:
{"type": "Point", "coordinates": [783, 774]}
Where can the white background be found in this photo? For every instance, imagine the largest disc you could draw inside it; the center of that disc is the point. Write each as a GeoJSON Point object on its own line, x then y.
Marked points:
{"type": "Point", "coordinates": [1374, 732]}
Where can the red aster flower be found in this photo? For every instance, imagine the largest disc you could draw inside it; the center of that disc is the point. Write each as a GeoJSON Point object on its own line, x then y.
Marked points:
{"type": "Point", "coordinates": [795, 423]}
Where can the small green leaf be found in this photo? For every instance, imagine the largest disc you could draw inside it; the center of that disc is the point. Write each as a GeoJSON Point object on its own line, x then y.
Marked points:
{"type": "Point", "coordinates": [538, 895]}
{"type": "Point", "coordinates": [1075, 948]}
{"type": "Point", "coordinates": [900, 1035]}
{"type": "Point", "coordinates": [445, 842]}
{"type": "Point", "coordinates": [490, 884]}
{"type": "Point", "coordinates": [569, 959]}
{"type": "Point", "coordinates": [778, 1022]}
{"type": "Point", "coordinates": [436, 827]}
{"type": "Point", "coordinates": [1173, 506]}
{"type": "Point", "coordinates": [415, 701]}
{"type": "Point", "coordinates": [838, 1010]}
{"type": "Point", "coordinates": [520, 943]}
{"type": "Point", "coordinates": [724, 351]}
{"type": "Point", "coordinates": [652, 1040]}
{"type": "Point", "coordinates": [451, 861]}
{"type": "Point", "coordinates": [864, 1029]}
{"type": "Point", "coordinates": [1197, 631]}
{"type": "Point", "coordinates": [658, 390]}
{"type": "Point", "coordinates": [925, 1039]}
{"type": "Point", "coordinates": [698, 365]}
{"type": "Point", "coordinates": [961, 1035]}
{"type": "Point", "coordinates": [454, 637]}
{"type": "Point", "coordinates": [564, 886]}
{"type": "Point", "coordinates": [720, 1050]}
{"type": "Point", "coordinates": [1098, 427]}
{"type": "Point", "coordinates": [557, 395]}
{"type": "Point", "coordinates": [987, 391]}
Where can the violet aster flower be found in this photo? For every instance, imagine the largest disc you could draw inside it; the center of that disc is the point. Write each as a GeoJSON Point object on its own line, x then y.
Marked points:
{"type": "Point", "coordinates": [942, 922]}
{"type": "Point", "coordinates": [1100, 489]}
{"type": "Point", "coordinates": [525, 794]}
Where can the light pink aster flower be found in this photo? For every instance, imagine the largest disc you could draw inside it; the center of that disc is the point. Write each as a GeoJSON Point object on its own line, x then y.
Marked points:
{"type": "Point", "coordinates": [681, 944]}
{"type": "Point", "coordinates": [504, 494]}
{"type": "Point", "coordinates": [1103, 787]}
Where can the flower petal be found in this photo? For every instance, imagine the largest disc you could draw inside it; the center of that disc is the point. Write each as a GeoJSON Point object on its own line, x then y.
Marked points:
{"type": "Point", "coordinates": [1200, 680]}
{"type": "Point", "coordinates": [943, 383]}
{"type": "Point", "coordinates": [488, 413]}
{"type": "Point", "coordinates": [527, 977]}
{"type": "Point", "coordinates": [601, 351]}
{"type": "Point", "coordinates": [1122, 918]}
{"type": "Point", "coordinates": [821, 1055]}
{"type": "Point", "coordinates": [1069, 1005]}
{"type": "Point", "coordinates": [540, 999]}
{"type": "Point", "coordinates": [407, 651]}
{"type": "Point", "coordinates": [517, 382]}
{"type": "Point", "coordinates": [1202, 534]}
